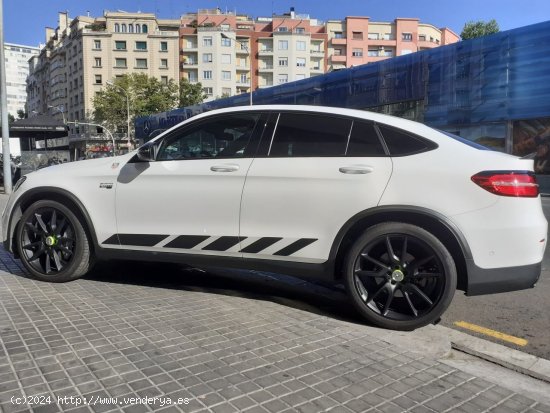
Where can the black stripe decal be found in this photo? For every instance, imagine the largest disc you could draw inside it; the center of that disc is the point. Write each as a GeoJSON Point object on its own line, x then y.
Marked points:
{"type": "Point", "coordinates": [186, 241]}
{"type": "Point", "coordinates": [223, 243]}
{"type": "Point", "coordinates": [295, 246]}
{"type": "Point", "coordinates": [112, 240]}
{"type": "Point", "coordinates": [141, 240]}
{"type": "Point", "coordinates": [260, 245]}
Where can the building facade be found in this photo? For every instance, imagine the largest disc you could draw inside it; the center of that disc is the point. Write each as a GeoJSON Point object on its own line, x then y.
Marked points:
{"type": "Point", "coordinates": [82, 54]}
{"type": "Point", "coordinates": [228, 53]}
{"type": "Point", "coordinates": [17, 70]}
{"type": "Point", "coordinates": [356, 40]}
{"type": "Point", "coordinates": [231, 54]}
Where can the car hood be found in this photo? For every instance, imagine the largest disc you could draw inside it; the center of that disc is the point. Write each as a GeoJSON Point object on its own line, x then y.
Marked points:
{"type": "Point", "coordinates": [85, 167]}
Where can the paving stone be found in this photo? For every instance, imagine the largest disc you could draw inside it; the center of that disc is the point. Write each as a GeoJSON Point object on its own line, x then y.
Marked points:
{"type": "Point", "coordinates": [542, 408]}
{"type": "Point", "coordinates": [225, 353]}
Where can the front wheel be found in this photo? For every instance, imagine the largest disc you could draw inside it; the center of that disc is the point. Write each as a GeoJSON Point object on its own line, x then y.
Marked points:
{"type": "Point", "coordinates": [52, 242]}
{"type": "Point", "coordinates": [400, 276]}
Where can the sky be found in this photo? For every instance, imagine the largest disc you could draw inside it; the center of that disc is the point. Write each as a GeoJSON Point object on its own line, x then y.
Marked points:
{"type": "Point", "coordinates": [25, 20]}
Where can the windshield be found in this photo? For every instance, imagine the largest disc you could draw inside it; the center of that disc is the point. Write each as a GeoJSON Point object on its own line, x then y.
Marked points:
{"type": "Point", "coordinates": [465, 141]}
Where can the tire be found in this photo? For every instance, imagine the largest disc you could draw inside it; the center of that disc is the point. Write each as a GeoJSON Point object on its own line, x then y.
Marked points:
{"type": "Point", "coordinates": [52, 243]}
{"type": "Point", "coordinates": [399, 276]}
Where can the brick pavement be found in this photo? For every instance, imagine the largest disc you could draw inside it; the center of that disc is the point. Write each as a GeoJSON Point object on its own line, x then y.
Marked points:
{"type": "Point", "coordinates": [99, 339]}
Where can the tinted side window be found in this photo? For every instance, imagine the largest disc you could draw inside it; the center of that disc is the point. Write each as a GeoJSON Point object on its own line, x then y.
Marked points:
{"type": "Point", "coordinates": [402, 143]}
{"type": "Point", "coordinates": [364, 140]}
{"type": "Point", "coordinates": [220, 137]}
{"type": "Point", "coordinates": [307, 135]}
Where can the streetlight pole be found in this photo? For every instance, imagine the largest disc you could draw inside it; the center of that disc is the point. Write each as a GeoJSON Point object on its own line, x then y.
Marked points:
{"type": "Point", "coordinates": [4, 108]}
{"type": "Point", "coordinates": [243, 44]}
{"type": "Point", "coordinates": [111, 83]}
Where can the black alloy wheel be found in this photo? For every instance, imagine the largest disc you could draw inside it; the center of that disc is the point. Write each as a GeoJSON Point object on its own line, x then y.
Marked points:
{"type": "Point", "coordinates": [52, 242]}
{"type": "Point", "coordinates": [400, 276]}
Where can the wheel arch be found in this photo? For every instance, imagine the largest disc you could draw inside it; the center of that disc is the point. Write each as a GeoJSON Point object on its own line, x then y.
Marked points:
{"type": "Point", "coordinates": [54, 194]}
{"type": "Point", "coordinates": [432, 221]}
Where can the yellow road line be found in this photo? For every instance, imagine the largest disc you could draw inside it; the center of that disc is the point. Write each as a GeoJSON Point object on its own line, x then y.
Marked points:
{"type": "Point", "coordinates": [492, 333]}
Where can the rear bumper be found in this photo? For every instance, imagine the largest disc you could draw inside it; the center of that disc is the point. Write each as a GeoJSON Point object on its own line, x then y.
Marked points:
{"type": "Point", "coordinates": [500, 280]}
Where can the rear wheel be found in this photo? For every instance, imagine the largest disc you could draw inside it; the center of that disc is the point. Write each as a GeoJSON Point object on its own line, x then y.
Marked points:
{"type": "Point", "coordinates": [400, 276]}
{"type": "Point", "coordinates": [52, 242]}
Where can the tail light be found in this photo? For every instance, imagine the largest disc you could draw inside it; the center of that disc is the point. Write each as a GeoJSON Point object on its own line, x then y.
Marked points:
{"type": "Point", "coordinates": [508, 183]}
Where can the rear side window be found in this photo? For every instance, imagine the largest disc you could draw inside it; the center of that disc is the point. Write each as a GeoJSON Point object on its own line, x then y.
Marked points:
{"type": "Point", "coordinates": [309, 135]}
{"type": "Point", "coordinates": [364, 140]}
{"type": "Point", "coordinates": [401, 143]}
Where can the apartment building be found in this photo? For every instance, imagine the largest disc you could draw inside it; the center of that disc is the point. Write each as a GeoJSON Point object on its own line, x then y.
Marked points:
{"type": "Point", "coordinates": [82, 54]}
{"type": "Point", "coordinates": [356, 40]}
{"type": "Point", "coordinates": [17, 70]}
{"type": "Point", "coordinates": [232, 54]}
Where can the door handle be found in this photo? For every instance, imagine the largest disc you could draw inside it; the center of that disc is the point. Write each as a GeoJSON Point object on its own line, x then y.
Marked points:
{"type": "Point", "coordinates": [356, 169]}
{"type": "Point", "coordinates": [224, 168]}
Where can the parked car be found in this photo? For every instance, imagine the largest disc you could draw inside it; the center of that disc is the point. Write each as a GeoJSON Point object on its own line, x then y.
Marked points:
{"type": "Point", "coordinates": [399, 213]}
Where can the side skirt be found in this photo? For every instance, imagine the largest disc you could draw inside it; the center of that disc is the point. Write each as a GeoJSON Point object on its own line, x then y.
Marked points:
{"type": "Point", "coordinates": [323, 272]}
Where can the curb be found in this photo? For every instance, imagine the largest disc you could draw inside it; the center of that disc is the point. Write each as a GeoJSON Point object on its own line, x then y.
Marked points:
{"type": "Point", "coordinates": [516, 360]}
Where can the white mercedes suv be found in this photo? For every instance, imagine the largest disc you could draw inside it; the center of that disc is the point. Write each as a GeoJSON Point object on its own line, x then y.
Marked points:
{"type": "Point", "coordinates": [398, 212]}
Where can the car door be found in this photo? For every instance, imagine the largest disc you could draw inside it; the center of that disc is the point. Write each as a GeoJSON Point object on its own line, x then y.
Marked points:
{"type": "Point", "coordinates": [312, 174]}
{"type": "Point", "coordinates": [188, 199]}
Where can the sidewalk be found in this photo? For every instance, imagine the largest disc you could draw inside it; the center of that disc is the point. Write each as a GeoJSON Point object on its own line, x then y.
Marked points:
{"type": "Point", "coordinates": [139, 338]}
{"type": "Point", "coordinates": [94, 339]}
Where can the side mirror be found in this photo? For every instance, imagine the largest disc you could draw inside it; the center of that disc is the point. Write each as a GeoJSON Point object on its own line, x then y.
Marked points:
{"type": "Point", "coordinates": [147, 152]}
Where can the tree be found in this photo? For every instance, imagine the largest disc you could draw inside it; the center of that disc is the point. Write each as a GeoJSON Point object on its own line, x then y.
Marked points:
{"type": "Point", "coordinates": [147, 95]}
{"type": "Point", "coordinates": [190, 93]}
{"type": "Point", "coordinates": [21, 114]}
{"type": "Point", "coordinates": [479, 28]}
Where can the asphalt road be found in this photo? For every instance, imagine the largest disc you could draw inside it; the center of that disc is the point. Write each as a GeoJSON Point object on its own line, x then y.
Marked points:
{"type": "Point", "coordinates": [524, 314]}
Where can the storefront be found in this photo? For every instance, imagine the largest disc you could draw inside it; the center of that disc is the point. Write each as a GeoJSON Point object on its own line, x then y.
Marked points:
{"type": "Point", "coordinates": [43, 142]}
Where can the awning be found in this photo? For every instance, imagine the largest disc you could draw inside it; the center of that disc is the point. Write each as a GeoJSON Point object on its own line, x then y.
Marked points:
{"type": "Point", "coordinates": [41, 125]}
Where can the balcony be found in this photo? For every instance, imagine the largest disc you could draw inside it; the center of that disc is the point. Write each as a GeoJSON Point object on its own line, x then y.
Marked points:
{"type": "Point", "coordinates": [214, 29]}
{"type": "Point", "coordinates": [339, 41]}
{"type": "Point", "coordinates": [190, 48]}
{"type": "Point", "coordinates": [381, 43]}
{"type": "Point", "coordinates": [242, 82]}
{"type": "Point", "coordinates": [265, 68]}
{"type": "Point", "coordinates": [292, 33]}
{"type": "Point", "coordinates": [243, 68]}
{"type": "Point", "coordinates": [316, 69]}
{"type": "Point", "coordinates": [160, 33]}
{"type": "Point", "coordinates": [240, 50]}
{"type": "Point", "coordinates": [317, 52]}
{"type": "Point", "coordinates": [265, 51]}
{"type": "Point", "coordinates": [427, 44]}
{"type": "Point", "coordinates": [189, 63]}
{"type": "Point", "coordinates": [340, 58]}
